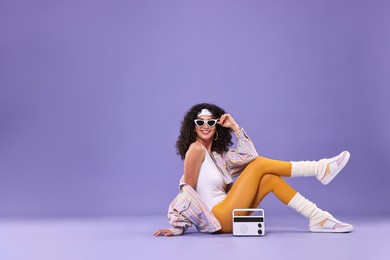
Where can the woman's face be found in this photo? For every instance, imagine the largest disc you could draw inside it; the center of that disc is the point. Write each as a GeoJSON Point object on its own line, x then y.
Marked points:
{"type": "Point", "coordinates": [205, 132]}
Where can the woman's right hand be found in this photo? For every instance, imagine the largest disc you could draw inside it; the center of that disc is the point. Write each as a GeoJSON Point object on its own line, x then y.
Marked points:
{"type": "Point", "coordinates": [163, 232]}
{"type": "Point", "coordinates": [226, 120]}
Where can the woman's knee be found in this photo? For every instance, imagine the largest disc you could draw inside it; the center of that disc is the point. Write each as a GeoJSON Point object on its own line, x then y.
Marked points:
{"type": "Point", "coordinates": [259, 164]}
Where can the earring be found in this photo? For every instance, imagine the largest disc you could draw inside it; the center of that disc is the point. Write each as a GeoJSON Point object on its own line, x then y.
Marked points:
{"type": "Point", "coordinates": [216, 138]}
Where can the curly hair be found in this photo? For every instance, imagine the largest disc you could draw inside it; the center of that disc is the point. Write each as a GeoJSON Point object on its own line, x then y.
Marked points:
{"type": "Point", "coordinates": [187, 135]}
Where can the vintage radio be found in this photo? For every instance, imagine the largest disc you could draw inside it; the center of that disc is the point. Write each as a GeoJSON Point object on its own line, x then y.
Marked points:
{"type": "Point", "coordinates": [252, 225]}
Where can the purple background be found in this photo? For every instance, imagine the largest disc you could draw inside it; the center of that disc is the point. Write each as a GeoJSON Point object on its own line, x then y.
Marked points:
{"type": "Point", "coordinates": [92, 94]}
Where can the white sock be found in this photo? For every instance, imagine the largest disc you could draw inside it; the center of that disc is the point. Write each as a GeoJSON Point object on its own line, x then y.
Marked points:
{"type": "Point", "coordinates": [309, 168]}
{"type": "Point", "coordinates": [308, 209]}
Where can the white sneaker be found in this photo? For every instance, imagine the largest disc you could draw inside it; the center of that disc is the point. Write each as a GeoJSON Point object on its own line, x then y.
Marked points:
{"type": "Point", "coordinates": [336, 164]}
{"type": "Point", "coordinates": [332, 225]}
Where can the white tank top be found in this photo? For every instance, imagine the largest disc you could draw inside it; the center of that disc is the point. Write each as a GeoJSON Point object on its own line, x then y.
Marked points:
{"type": "Point", "coordinates": [210, 185]}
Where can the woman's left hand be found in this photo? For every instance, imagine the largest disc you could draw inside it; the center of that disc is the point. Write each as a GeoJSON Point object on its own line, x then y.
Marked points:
{"type": "Point", "coordinates": [226, 120]}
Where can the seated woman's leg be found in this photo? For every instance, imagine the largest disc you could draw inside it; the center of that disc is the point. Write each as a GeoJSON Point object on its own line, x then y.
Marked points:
{"type": "Point", "coordinates": [247, 191]}
{"type": "Point", "coordinates": [325, 170]}
{"type": "Point", "coordinates": [255, 182]}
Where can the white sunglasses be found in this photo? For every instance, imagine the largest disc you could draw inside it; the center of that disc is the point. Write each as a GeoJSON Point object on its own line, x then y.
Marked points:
{"type": "Point", "coordinates": [201, 122]}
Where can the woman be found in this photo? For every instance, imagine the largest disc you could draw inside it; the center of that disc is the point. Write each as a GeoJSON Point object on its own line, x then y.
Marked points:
{"type": "Point", "coordinates": [207, 194]}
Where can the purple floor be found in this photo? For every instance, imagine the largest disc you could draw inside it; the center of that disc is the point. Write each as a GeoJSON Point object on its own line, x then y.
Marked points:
{"type": "Point", "coordinates": [127, 238]}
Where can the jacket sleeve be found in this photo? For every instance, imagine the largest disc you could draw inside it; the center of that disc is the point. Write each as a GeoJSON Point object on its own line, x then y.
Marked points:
{"type": "Point", "coordinates": [177, 219]}
{"type": "Point", "coordinates": [238, 158]}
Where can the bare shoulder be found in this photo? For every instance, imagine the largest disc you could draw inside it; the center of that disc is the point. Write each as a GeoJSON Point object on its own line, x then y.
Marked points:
{"type": "Point", "coordinates": [196, 146]}
{"type": "Point", "coordinates": [192, 162]}
{"type": "Point", "coordinates": [196, 150]}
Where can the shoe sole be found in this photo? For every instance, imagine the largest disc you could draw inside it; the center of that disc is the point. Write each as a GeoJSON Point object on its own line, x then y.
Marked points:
{"type": "Point", "coordinates": [332, 176]}
{"type": "Point", "coordinates": [336, 230]}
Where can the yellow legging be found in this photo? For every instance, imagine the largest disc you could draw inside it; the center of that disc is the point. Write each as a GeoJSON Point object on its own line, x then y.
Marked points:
{"type": "Point", "coordinates": [260, 177]}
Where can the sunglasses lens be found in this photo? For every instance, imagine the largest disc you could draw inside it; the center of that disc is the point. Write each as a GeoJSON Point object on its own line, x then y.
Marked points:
{"type": "Point", "coordinates": [212, 122]}
{"type": "Point", "coordinates": [199, 122]}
